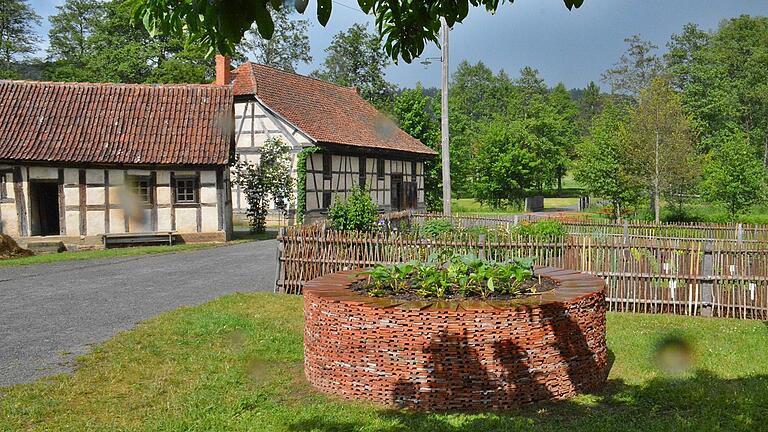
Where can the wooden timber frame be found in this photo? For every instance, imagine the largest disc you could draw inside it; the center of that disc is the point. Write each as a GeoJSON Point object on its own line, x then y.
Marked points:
{"type": "Point", "coordinates": [91, 201]}
{"type": "Point", "coordinates": [255, 123]}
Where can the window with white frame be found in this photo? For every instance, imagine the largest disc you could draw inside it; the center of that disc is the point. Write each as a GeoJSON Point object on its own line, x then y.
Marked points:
{"type": "Point", "coordinates": [185, 190]}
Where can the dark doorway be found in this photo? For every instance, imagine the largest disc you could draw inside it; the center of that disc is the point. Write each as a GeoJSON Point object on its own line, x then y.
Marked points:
{"type": "Point", "coordinates": [398, 195]}
{"type": "Point", "coordinates": [44, 208]}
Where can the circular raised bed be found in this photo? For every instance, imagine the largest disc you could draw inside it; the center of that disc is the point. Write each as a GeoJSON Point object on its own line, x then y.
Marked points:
{"type": "Point", "coordinates": [456, 355]}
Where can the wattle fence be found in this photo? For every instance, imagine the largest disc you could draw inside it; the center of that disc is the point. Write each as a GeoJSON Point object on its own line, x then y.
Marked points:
{"type": "Point", "coordinates": [717, 275]}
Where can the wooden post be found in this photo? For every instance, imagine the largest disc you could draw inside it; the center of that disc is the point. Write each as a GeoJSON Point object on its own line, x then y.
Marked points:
{"type": "Point", "coordinates": [481, 247]}
{"type": "Point", "coordinates": [739, 233]}
{"type": "Point", "coordinates": [279, 277]}
{"type": "Point", "coordinates": [626, 231]}
{"type": "Point", "coordinates": [707, 269]}
{"type": "Point", "coordinates": [444, 131]}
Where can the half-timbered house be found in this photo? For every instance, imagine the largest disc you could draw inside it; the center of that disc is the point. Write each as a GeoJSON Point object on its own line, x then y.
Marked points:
{"type": "Point", "coordinates": [78, 161]}
{"type": "Point", "coordinates": [358, 144]}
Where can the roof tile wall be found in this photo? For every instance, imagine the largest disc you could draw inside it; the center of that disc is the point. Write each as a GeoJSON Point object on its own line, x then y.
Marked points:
{"type": "Point", "coordinates": [115, 123]}
{"type": "Point", "coordinates": [328, 113]}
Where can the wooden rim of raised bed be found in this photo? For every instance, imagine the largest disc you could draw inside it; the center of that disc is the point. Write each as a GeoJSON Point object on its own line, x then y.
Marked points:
{"type": "Point", "coordinates": [571, 286]}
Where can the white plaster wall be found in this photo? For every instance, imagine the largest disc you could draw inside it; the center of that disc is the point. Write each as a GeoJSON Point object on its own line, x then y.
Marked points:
{"type": "Point", "coordinates": [9, 221]}
{"type": "Point", "coordinates": [94, 195]}
{"type": "Point", "coordinates": [43, 173]}
{"type": "Point", "coordinates": [186, 220]}
{"type": "Point", "coordinates": [253, 126]}
{"type": "Point", "coordinates": [116, 220]}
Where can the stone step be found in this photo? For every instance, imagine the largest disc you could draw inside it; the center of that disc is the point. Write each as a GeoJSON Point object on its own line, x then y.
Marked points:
{"type": "Point", "coordinates": [43, 246]}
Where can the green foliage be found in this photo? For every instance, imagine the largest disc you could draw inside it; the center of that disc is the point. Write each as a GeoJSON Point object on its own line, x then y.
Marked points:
{"type": "Point", "coordinates": [681, 52]}
{"type": "Point", "coordinates": [71, 26]}
{"type": "Point", "coordinates": [452, 276]}
{"type": "Point", "coordinates": [405, 27]}
{"type": "Point", "coordinates": [542, 230]}
{"type": "Point", "coordinates": [301, 182]}
{"type": "Point", "coordinates": [357, 213]}
{"type": "Point", "coordinates": [434, 228]}
{"type": "Point", "coordinates": [17, 34]}
{"type": "Point", "coordinates": [590, 104]}
{"type": "Point", "coordinates": [413, 112]}
{"type": "Point", "coordinates": [726, 80]}
{"type": "Point", "coordinates": [482, 104]}
{"type": "Point", "coordinates": [288, 46]}
{"type": "Point", "coordinates": [96, 42]}
{"type": "Point", "coordinates": [267, 182]}
{"type": "Point", "coordinates": [603, 166]}
{"type": "Point", "coordinates": [733, 176]}
{"type": "Point", "coordinates": [355, 59]}
{"type": "Point", "coordinates": [546, 229]}
{"type": "Point", "coordinates": [661, 152]}
{"type": "Point", "coordinates": [636, 68]}
{"type": "Point", "coordinates": [508, 164]}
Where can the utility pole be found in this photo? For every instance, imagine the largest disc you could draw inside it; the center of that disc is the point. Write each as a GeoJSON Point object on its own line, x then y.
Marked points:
{"type": "Point", "coordinates": [445, 143]}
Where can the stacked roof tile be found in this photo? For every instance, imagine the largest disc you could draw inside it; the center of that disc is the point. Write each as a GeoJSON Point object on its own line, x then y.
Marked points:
{"type": "Point", "coordinates": [115, 123]}
{"type": "Point", "coordinates": [328, 113]}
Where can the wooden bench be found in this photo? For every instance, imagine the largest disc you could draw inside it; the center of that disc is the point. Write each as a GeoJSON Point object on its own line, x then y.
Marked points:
{"type": "Point", "coordinates": [130, 239]}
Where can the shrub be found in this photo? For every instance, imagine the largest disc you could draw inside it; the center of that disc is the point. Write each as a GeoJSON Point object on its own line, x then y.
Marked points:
{"type": "Point", "coordinates": [456, 275]}
{"type": "Point", "coordinates": [547, 229]}
{"type": "Point", "coordinates": [356, 213]}
{"type": "Point", "coordinates": [436, 227]}
{"type": "Point", "coordinates": [268, 181]}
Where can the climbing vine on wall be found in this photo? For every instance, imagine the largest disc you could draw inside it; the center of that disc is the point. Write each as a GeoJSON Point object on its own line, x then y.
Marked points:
{"type": "Point", "coordinates": [301, 182]}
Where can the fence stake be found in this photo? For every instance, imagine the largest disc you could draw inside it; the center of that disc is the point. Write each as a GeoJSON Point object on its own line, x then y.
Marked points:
{"type": "Point", "coordinates": [279, 279]}
{"type": "Point", "coordinates": [739, 233]}
{"type": "Point", "coordinates": [707, 268]}
{"type": "Point", "coordinates": [626, 231]}
{"type": "Point", "coordinates": [481, 247]}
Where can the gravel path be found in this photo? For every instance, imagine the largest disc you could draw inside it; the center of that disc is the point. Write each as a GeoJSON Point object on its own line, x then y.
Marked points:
{"type": "Point", "coordinates": [50, 313]}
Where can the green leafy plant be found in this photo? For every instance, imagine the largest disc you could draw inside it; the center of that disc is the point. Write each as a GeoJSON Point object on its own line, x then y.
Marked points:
{"type": "Point", "coordinates": [436, 227]}
{"type": "Point", "coordinates": [542, 230]}
{"type": "Point", "coordinates": [452, 276]}
{"type": "Point", "coordinates": [357, 213]}
{"type": "Point", "coordinates": [268, 181]}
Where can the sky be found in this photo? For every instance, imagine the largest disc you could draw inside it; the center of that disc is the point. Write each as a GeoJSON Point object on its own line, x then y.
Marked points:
{"type": "Point", "coordinates": [573, 47]}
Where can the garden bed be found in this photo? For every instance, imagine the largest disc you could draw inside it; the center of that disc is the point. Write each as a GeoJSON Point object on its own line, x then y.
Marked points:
{"type": "Point", "coordinates": [456, 355]}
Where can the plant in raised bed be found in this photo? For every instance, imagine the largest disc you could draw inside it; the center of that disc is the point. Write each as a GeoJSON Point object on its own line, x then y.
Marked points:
{"type": "Point", "coordinates": [455, 276]}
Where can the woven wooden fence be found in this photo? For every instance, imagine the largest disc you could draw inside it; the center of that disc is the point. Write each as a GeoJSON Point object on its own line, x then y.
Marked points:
{"type": "Point", "coordinates": [690, 277]}
{"type": "Point", "coordinates": [628, 230]}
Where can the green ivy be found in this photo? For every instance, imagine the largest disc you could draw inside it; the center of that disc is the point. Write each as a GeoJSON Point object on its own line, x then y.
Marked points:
{"type": "Point", "coordinates": [301, 182]}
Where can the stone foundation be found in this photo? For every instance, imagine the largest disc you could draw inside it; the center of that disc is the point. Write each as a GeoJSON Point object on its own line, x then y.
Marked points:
{"type": "Point", "coordinates": [458, 355]}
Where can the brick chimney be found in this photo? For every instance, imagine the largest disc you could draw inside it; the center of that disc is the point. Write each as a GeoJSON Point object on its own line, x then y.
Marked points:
{"type": "Point", "coordinates": [223, 70]}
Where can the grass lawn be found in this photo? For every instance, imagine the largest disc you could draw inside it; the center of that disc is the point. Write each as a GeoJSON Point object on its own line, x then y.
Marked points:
{"type": "Point", "coordinates": [559, 203]}
{"type": "Point", "coordinates": [108, 253]}
{"type": "Point", "coordinates": [468, 206]}
{"type": "Point", "coordinates": [236, 364]}
{"type": "Point", "coordinates": [239, 237]}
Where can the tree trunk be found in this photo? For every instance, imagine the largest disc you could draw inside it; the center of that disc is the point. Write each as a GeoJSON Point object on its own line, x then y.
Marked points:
{"type": "Point", "coordinates": [765, 150]}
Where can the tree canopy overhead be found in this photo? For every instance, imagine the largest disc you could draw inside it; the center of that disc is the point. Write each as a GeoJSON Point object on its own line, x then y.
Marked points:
{"type": "Point", "coordinates": [405, 27]}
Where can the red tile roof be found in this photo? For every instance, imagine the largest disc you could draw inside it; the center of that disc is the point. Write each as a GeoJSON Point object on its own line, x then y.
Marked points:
{"type": "Point", "coordinates": [115, 123]}
{"type": "Point", "coordinates": [326, 112]}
